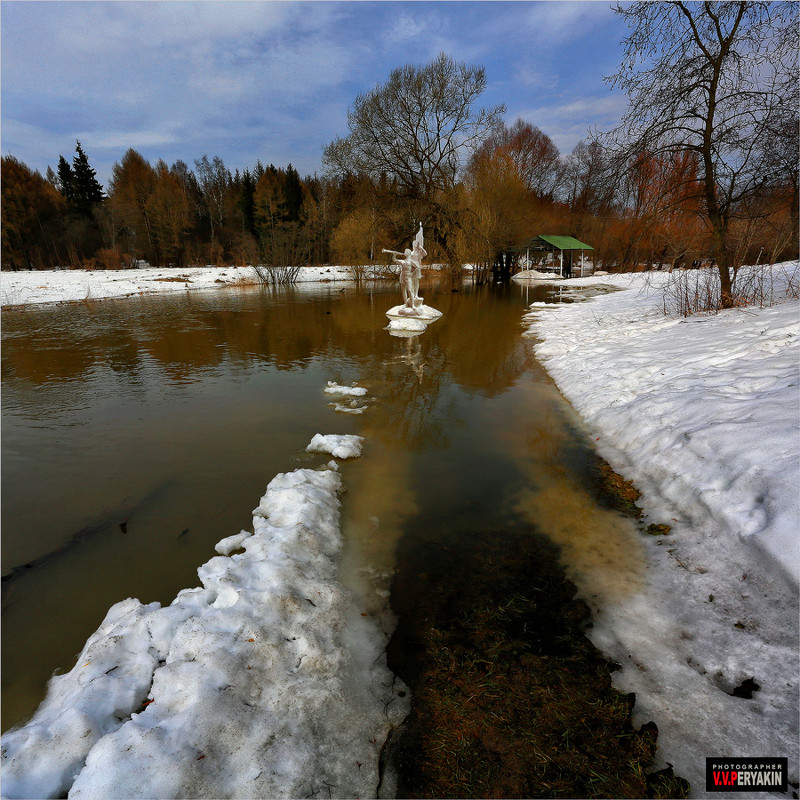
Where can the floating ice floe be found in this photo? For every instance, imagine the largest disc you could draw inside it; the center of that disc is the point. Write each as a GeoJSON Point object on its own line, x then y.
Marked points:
{"type": "Point", "coordinates": [353, 391]}
{"type": "Point", "coordinates": [404, 321]}
{"type": "Point", "coordinates": [338, 445]}
{"type": "Point", "coordinates": [265, 682]}
{"type": "Point", "coordinates": [351, 408]}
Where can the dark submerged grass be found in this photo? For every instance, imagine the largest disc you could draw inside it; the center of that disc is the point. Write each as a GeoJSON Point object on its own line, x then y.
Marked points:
{"type": "Point", "coordinates": [510, 699]}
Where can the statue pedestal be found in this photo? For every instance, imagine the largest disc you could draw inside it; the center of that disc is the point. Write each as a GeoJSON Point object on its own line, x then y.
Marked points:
{"type": "Point", "coordinates": [406, 326]}
{"type": "Point", "coordinates": [420, 312]}
{"type": "Point", "coordinates": [405, 321]}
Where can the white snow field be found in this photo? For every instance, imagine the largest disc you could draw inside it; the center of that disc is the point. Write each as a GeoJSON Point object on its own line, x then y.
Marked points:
{"type": "Point", "coordinates": [701, 413]}
{"type": "Point", "coordinates": [64, 285]}
{"type": "Point", "coordinates": [266, 682]}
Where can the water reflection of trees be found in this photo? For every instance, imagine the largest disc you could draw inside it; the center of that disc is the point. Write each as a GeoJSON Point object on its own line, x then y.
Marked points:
{"type": "Point", "coordinates": [483, 342]}
{"type": "Point", "coordinates": [478, 341]}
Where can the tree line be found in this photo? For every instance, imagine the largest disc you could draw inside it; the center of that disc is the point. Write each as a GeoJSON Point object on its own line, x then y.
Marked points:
{"type": "Point", "coordinates": [702, 168]}
{"type": "Point", "coordinates": [165, 215]}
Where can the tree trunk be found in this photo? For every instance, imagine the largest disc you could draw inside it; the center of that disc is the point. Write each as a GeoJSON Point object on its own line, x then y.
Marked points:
{"type": "Point", "coordinates": [722, 256]}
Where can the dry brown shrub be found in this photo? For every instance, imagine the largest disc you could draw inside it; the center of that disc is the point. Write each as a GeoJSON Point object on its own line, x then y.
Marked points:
{"type": "Point", "coordinates": [108, 258]}
{"type": "Point", "coordinates": [697, 291]}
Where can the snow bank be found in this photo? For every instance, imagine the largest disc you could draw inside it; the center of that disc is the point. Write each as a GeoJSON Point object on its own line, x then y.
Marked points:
{"type": "Point", "coordinates": [64, 285]}
{"type": "Point", "coordinates": [339, 446]}
{"type": "Point", "coordinates": [53, 286]}
{"type": "Point", "coordinates": [535, 275]}
{"type": "Point", "coordinates": [704, 408]}
{"type": "Point", "coordinates": [702, 415]}
{"type": "Point", "coordinates": [265, 682]}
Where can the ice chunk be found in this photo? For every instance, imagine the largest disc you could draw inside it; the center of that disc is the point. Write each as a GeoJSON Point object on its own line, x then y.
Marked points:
{"type": "Point", "coordinates": [410, 324]}
{"type": "Point", "coordinates": [339, 446]}
{"type": "Point", "coordinates": [348, 409]}
{"type": "Point", "coordinates": [226, 546]}
{"type": "Point", "coordinates": [353, 391]}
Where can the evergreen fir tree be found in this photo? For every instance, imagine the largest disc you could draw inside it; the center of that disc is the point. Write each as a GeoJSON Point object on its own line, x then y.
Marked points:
{"type": "Point", "coordinates": [246, 202]}
{"type": "Point", "coordinates": [293, 194]}
{"type": "Point", "coordinates": [86, 190]}
{"type": "Point", "coordinates": [65, 179]}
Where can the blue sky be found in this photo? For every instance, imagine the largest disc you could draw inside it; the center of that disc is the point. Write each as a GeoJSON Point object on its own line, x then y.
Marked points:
{"type": "Point", "coordinates": [274, 80]}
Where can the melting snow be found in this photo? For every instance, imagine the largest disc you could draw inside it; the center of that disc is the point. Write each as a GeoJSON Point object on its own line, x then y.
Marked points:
{"type": "Point", "coordinates": [702, 415]}
{"type": "Point", "coordinates": [350, 391]}
{"type": "Point", "coordinates": [339, 446]}
{"type": "Point", "coordinates": [266, 682]}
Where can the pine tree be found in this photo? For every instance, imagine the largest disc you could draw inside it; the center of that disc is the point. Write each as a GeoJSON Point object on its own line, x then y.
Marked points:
{"type": "Point", "coordinates": [65, 179]}
{"type": "Point", "coordinates": [246, 201]}
{"type": "Point", "coordinates": [86, 190]}
{"type": "Point", "coordinates": [292, 194]}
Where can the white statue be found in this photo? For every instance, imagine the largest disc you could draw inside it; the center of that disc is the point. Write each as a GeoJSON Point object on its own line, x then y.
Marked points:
{"type": "Point", "coordinates": [413, 316]}
{"type": "Point", "coordinates": [410, 272]}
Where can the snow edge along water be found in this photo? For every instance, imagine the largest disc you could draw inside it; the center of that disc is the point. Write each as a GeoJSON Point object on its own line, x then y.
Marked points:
{"type": "Point", "coordinates": [701, 415]}
{"type": "Point", "coordinates": [266, 682]}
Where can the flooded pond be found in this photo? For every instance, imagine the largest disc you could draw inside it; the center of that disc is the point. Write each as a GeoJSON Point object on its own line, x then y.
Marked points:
{"type": "Point", "coordinates": [137, 433]}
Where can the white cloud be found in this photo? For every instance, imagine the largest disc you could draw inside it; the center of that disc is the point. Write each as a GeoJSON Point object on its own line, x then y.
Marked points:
{"type": "Point", "coordinates": [33, 144]}
{"type": "Point", "coordinates": [582, 108]}
{"type": "Point", "coordinates": [407, 27]}
{"type": "Point", "coordinates": [529, 77]}
{"type": "Point", "coordinates": [267, 80]}
{"type": "Point", "coordinates": [122, 140]}
{"type": "Point", "coordinates": [569, 122]}
{"type": "Point", "coordinates": [556, 23]}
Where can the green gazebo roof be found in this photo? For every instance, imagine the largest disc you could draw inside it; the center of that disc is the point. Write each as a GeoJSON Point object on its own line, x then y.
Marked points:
{"type": "Point", "coordinates": [558, 242]}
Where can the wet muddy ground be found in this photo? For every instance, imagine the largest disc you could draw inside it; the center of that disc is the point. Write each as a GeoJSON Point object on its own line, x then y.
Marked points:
{"type": "Point", "coordinates": [510, 698]}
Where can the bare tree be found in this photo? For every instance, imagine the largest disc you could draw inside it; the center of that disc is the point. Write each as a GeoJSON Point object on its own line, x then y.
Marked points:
{"type": "Point", "coordinates": [533, 153]}
{"type": "Point", "coordinates": [132, 183]}
{"type": "Point", "coordinates": [500, 208]}
{"type": "Point", "coordinates": [780, 148]}
{"type": "Point", "coordinates": [416, 130]}
{"type": "Point", "coordinates": [711, 79]}
{"type": "Point", "coordinates": [214, 180]}
{"type": "Point", "coordinates": [169, 210]}
{"type": "Point", "coordinates": [591, 179]}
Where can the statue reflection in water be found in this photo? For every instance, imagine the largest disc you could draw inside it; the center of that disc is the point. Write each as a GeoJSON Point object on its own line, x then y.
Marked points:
{"type": "Point", "coordinates": [414, 357]}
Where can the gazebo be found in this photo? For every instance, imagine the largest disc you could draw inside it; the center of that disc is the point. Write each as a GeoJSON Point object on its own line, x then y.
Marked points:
{"type": "Point", "coordinates": [564, 245]}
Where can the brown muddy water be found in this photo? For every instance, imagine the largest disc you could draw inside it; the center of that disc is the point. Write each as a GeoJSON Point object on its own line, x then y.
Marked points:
{"type": "Point", "coordinates": [136, 433]}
